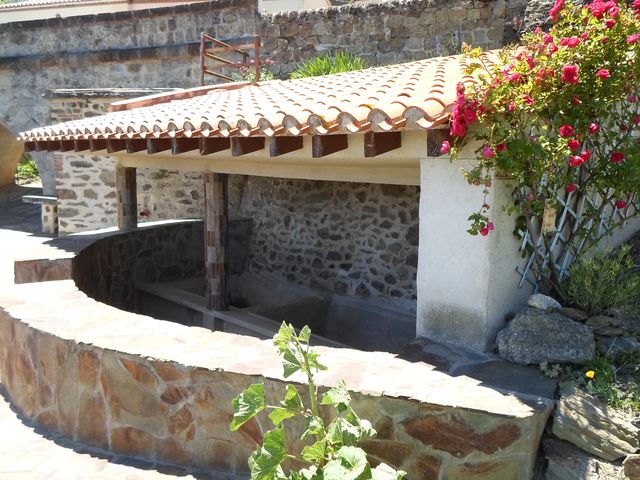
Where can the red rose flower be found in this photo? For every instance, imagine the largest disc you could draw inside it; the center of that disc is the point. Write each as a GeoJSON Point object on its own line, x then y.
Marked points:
{"type": "Point", "coordinates": [487, 152]}
{"type": "Point", "coordinates": [610, 23]}
{"type": "Point", "coordinates": [594, 127]}
{"type": "Point", "coordinates": [547, 39]}
{"type": "Point", "coordinates": [603, 73]}
{"type": "Point", "coordinates": [484, 231]}
{"type": "Point", "coordinates": [604, 40]}
{"type": "Point", "coordinates": [586, 155]}
{"type": "Point", "coordinates": [633, 38]}
{"type": "Point", "coordinates": [576, 161]}
{"type": "Point", "coordinates": [573, 144]}
{"type": "Point", "coordinates": [445, 147]}
{"type": "Point", "coordinates": [566, 131]}
{"type": "Point", "coordinates": [636, 119]}
{"type": "Point", "coordinates": [514, 77]}
{"type": "Point", "coordinates": [572, 187]}
{"type": "Point", "coordinates": [570, 74]}
{"type": "Point", "coordinates": [617, 157]}
{"type": "Point", "coordinates": [501, 147]}
{"type": "Point", "coordinates": [597, 8]}
{"type": "Point", "coordinates": [620, 204]}
{"type": "Point", "coordinates": [557, 6]}
{"type": "Point", "coordinates": [573, 42]}
{"type": "Point", "coordinates": [632, 98]}
{"type": "Point", "coordinates": [614, 11]}
{"type": "Point", "coordinates": [490, 226]}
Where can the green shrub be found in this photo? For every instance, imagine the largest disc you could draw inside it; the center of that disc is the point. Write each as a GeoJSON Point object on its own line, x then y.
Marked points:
{"type": "Point", "coordinates": [605, 281]}
{"type": "Point", "coordinates": [248, 74]}
{"type": "Point", "coordinates": [327, 64]}
{"type": "Point", "coordinates": [331, 451]}
{"type": "Point", "coordinates": [27, 169]}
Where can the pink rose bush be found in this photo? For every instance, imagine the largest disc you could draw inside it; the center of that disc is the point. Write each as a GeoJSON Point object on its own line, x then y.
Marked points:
{"type": "Point", "coordinates": [558, 117]}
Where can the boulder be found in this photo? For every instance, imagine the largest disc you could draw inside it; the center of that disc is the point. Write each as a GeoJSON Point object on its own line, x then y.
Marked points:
{"type": "Point", "coordinates": [609, 331]}
{"type": "Point", "coordinates": [602, 321]}
{"type": "Point", "coordinates": [616, 347]}
{"type": "Point", "coordinates": [590, 425]}
{"type": "Point", "coordinates": [543, 302]}
{"type": "Point", "coordinates": [534, 336]}
{"type": "Point", "coordinates": [631, 466]}
{"type": "Point", "coordinates": [573, 313]}
{"type": "Point", "coordinates": [566, 462]}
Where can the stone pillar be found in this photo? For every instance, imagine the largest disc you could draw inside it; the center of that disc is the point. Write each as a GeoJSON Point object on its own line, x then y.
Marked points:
{"type": "Point", "coordinates": [49, 216]}
{"type": "Point", "coordinates": [216, 238]}
{"type": "Point", "coordinates": [466, 284]}
{"type": "Point", "coordinates": [126, 198]}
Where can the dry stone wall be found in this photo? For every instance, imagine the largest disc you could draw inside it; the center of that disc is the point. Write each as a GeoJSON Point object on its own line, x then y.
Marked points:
{"type": "Point", "coordinates": [384, 33]}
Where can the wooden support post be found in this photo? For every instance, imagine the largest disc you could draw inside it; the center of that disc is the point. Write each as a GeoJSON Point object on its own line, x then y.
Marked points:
{"type": "Point", "coordinates": [216, 238]}
{"type": "Point", "coordinates": [127, 198]}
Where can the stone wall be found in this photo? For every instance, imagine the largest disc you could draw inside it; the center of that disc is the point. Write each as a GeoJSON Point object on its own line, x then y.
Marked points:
{"type": "Point", "coordinates": [385, 33]}
{"type": "Point", "coordinates": [108, 269]}
{"type": "Point", "coordinates": [346, 238]}
{"type": "Point", "coordinates": [162, 391]}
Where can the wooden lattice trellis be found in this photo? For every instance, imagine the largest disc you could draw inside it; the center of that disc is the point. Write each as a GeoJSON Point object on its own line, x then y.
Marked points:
{"type": "Point", "coordinates": [572, 208]}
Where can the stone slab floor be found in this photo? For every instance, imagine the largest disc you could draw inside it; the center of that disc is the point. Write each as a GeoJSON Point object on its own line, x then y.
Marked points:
{"type": "Point", "coordinates": [27, 452]}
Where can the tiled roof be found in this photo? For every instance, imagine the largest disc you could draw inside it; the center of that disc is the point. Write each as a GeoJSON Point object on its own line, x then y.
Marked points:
{"type": "Point", "coordinates": [415, 95]}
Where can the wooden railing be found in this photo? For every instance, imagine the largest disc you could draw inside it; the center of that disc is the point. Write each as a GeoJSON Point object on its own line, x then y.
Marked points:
{"type": "Point", "coordinates": [213, 49]}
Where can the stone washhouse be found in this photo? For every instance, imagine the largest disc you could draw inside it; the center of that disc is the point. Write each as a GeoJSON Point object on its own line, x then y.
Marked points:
{"type": "Point", "coordinates": [116, 375]}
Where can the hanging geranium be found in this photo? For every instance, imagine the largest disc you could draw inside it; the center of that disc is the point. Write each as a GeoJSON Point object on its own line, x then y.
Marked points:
{"type": "Point", "coordinates": [559, 116]}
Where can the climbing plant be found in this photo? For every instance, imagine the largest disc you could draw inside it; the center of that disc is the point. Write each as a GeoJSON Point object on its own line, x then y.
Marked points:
{"type": "Point", "coordinates": [559, 117]}
{"type": "Point", "coordinates": [333, 429]}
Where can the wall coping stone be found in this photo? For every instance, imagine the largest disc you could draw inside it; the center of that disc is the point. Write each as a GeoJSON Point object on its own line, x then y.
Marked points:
{"type": "Point", "coordinates": [104, 92]}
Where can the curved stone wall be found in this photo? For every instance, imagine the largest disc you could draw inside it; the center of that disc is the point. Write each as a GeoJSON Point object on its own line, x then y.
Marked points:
{"type": "Point", "coordinates": [162, 391]}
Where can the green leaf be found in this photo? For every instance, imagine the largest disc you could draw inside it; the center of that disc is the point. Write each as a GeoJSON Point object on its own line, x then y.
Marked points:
{"type": "Point", "coordinates": [265, 461]}
{"type": "Point", "coordinates": [351, 464]}
{"type": "Point", "coordinates": [247, 405]}
{"type": "Point", "coordinates": [338, 397]}
{"type": "Point", "coordinates": [385, 472]}
{"type": "Point", "coordinates": [305, 335]}
{"type": "Point", "coordinates": [279, 415]}
{"type": "Point", "coordinates": [342, 432]}
{"type": "Point", "coordinates": [315, 426]}
{"type": "Point", "coordinates": [315, 453]}
{"type": "Point", "coordinates": [292, 399]}
{"type": "Point", "coordinates": [284, 337]}
{"type": "Point", "coordinates": [291, 362]}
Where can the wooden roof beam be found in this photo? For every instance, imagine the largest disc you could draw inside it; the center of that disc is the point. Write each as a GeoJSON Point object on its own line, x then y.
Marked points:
{"type": "Point", "coordinates": [323, 145]}
{"type": "Point", "coordinates": [155, 145]}
{"type": "Point", "coordinates": [136, 145]}
{"type": "Point", "coordinates": [210, 145]}
{"type": "Point", "coordinates": [377, 143]}
{"type": "Point", "coordinates": [281, 145]}
{"type": "Point", "coordinates": [243, 145]}
{"type": "Point", "coordinates": [184, 144]}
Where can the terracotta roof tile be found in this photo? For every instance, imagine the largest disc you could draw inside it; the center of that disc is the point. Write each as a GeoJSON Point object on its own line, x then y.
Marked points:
{"type": "Point", "coordinates": [415, 95]}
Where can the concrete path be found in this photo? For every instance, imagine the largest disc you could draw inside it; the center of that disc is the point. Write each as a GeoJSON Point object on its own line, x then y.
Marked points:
{"type": "Point", "coordinates": [27, 452]}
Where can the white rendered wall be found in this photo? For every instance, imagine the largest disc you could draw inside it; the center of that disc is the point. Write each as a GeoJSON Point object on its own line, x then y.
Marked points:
{"type": "Point", "coordinates": [466, 284]}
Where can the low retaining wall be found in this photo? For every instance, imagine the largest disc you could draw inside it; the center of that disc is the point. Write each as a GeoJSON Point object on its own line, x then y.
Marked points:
{"type": "Point", "coordinates": [163, 391]}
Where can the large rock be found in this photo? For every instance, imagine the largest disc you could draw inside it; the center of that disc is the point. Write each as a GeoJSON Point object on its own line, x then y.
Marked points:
{"type": "Point", "coordinates": [631, 466]}
{"type": "Point", "coordinates": [616, 347]}
{"type": "Point", "coordinates": [566, 462]}
{"type": "Point", "coordinates": [543, 302]}
{"type": "Point", "coordinates": [589, 424]}
{"type": "Point", "coordinates": [534, 336]}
